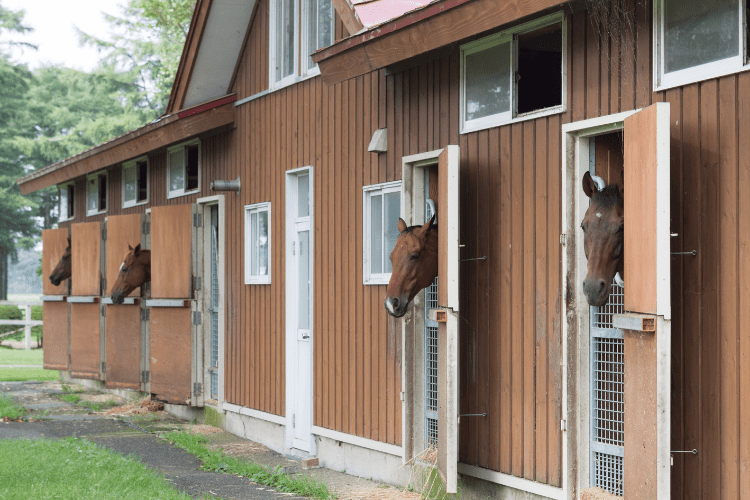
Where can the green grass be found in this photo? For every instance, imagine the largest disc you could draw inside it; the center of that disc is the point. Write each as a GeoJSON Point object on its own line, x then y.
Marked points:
{"type": "Point", "coordinates": [218, 462]}
{"type": "Point", "coordinates": [26, 374]}
{"type": "Point", "coordinates": [10, 410]}
{"type": "Point", "coordinates": [21, 356]}
{"type": "Point", "coordinates": [72, 468]}
{"type": "Point", "coordinates": [71, 398]}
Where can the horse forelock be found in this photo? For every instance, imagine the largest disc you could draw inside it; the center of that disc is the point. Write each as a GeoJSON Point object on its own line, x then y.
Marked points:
{"type": "Point", "coordinates": [609, 196]}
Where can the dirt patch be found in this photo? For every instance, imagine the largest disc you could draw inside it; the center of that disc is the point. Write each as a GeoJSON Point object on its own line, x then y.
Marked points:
{"type": "Point", "coordinates": [102, 398]}
{"type": "Point", "coordinates": [378, 493]}
{"type": "Point", "coordinates": [142, 407]}
{"type": "Point", "coordinates": [202, 429]}
{"type": "Point", "coordinates": [245, 449]}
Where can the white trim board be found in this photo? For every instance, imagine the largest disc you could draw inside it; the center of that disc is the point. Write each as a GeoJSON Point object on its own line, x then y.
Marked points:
{"type": "Point", "coordinates": [518, 483]}
{"type": "Point", "coordinates": [390, 449]}
{"type": "Point", "coordinates": [250, 412]}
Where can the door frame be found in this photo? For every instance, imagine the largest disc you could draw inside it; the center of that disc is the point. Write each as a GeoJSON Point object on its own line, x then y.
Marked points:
{"type": "Point", "coordinates": [290, 315]}
{"type": "Point", "coordinates": [203, 245]}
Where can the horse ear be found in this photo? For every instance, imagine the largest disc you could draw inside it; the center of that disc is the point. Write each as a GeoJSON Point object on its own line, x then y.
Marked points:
{"type": "Point", "coordinates": [68, 240]}
{"type": "Point", "coordinates": [401, 225]}
{"type": "Point", "coordinates": [589, 187]}
{"type": "Point", "coordinates": [137, 249]}
{"type": "Point", "coordinates": [426, 226]}
{"type": "Point", "coordinates": [130, 249]}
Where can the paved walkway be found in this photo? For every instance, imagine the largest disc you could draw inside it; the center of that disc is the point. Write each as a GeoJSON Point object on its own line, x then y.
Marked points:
{"type": "Point", "coordinates": [133, 428]}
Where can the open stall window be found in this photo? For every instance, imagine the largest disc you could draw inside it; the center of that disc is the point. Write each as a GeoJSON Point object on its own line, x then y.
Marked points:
{"type": "Point", "coordinates": [135, 182]}
{"type": "Point", "coordinates": [514, 75]}
{"type": "Point", "coordinates": [382, 209]}
{"type": "Point", "coordinates": [96, 193]}
{"type": "Point", "coordinates": [698, 40]}
{"type": "Point", "coordinates": [183, 169]}
{"type": "Point", "coordinates": [67, 201]}
{"type": "Point", "coordinates": [258, 243]}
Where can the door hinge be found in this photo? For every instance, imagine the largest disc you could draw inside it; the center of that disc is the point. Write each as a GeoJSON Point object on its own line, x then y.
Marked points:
{"type": "Point", "coordinates": [145, 376]}
{"type": "Point", "coordinates": [197, 388]}
{"type": "Point", "coordinates": [196, 283]}
{"type": "Point", "coordinates": [104, 311]}
{"type": "Point", "coordinates": [197, 318]}
{"type": "Point", "coordinates": [104, 285]}
{"type": "Point", "coordinates": [403, 395]}
{"type": "Point", "coordinates": [197, 220]}
{"type": "Point", "coordinates": [145, 314]}
{"type": "Point", "coordinates": [563, 425]}
{"type": "Point", "coordinates": [145, 227]}
{"type": "Point", "coordinates": [104, 366]}
{"type": "Point", "coordinates": [104, 234]}
{"type": "Point", "coordinates": [563, 239]}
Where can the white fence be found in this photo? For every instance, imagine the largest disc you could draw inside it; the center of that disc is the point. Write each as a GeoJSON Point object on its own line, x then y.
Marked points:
{"type": "Point", "coordinates": [27, 322]}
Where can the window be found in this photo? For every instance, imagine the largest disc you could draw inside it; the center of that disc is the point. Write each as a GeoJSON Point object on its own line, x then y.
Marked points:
{"type": "Point", "coordinates": [67, 201]}
{"type": "Point", "coordinates": [306, 26]}
{"type": "Point", "coordinates": [697, 40]}
{"type": "Point", "coordinates": [513, 75]}
{"type": "Point", "coordinates": [135, 182]}
{"type": "Point", "coordinates": [257, 243]}
{"type": "Point", "coordinates": [96, 193]}
{"type": "Point", "coordinates": [183, 169]}
{"type": "Point", "coordinates": [382, 209]}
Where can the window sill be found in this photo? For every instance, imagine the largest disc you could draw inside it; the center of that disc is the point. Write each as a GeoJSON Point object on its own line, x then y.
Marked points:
{"type": "Point", "coordinates": [59, 220]}
{"type": "Point", "coordinates": [258, 282]}
{"type": "Point", "coordinates": [177, 194]}
{"type": "Point", "coordinates": [93, 214]}
{"type": "Point", "coordinates": [697, 74]}
{"type": "Point", "coordinates": [377, 281]}
{"type": "Point", "coordinates": [130, 205]}
{"type": "Point", "coordinates": [531, 115]}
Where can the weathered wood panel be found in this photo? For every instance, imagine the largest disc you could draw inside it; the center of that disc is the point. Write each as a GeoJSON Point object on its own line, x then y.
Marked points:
{"type": "Point", "coordinates": [86, 258]}
{"type": "Point", "coordinates": [54, 243]}
{"type": "Point", "coordinates": [123, 347]}
{"type": "Point", "coordinates": [85, 350]}
{"type": "Point", "coordinates": [171, 243]}
{"type": "Point", "coordinates": [170, 352]}
{"type": "Point", "coordinates": [56, 336]}
{"type": "Point", "coordinates": [123, 231]}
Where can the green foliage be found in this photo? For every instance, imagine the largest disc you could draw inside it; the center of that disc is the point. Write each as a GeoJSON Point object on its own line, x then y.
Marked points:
{"type": "Point", "coordinates": [218, 462]}
{"type": "Point", "coordinates": [10, 356]}
{"type": "Point", "coordinates": [10, 410]}
{"type": "Point", "coordinates": [211, 417]}
{"type": "Point", "coordinates": [10, 312]}
{"type": "Point", "coordinates": [73, 468]}
{"type": "Point", "coordinates": [26, 374]}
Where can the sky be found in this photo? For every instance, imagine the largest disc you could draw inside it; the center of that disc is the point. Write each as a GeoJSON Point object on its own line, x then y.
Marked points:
{"type": "Point", "coordinates": [53, 22]}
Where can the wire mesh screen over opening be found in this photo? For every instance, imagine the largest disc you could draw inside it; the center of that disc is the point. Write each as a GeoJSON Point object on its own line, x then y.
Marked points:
{"type": "Point", "coordinates": [431, 368]}
{"type": "Point", "coordinates": [607, 395]}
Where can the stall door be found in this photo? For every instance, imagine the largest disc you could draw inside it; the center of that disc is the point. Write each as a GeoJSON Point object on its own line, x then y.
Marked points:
{"type": "Point", "coordinates": [123, 322]}
{"type": "Point", "coordinates": [447, 315]}
{"type": "Point", "coordinates": [170, 314]}
{"type": "Point", "coordinates": [55, 306]}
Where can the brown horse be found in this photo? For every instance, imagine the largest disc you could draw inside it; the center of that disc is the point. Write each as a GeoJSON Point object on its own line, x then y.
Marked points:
{"type": "Point", "coordinates": [603, 238]}
{"type": "Point", "coordinates": [415, 265]}
{"type": "Point", "coordinates": [62, 270]}
{"type": "Point", "coordinates": [134, 272]}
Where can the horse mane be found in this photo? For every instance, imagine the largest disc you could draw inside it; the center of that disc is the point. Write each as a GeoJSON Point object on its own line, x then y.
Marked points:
{"type": "Point", "coordinates": [609, 196]}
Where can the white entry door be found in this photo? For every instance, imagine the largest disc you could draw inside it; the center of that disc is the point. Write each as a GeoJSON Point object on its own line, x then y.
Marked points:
{"type": "Point", "coordinates": [299, 331]}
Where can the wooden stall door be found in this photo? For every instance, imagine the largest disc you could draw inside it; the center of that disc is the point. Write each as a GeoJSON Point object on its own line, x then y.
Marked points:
{"type": "Point", "coordinates": [85, 317]}
{"type": "Point", "coordinates": [171, 329]}
{"type": "Point", "coordinates": [54, 243]}
{"type": "Point", "coordinates": [85, 347]}
{"type": "Point", "coordinates": [448, 266]}
{"type": "Point", "coordinates": [55, 313]}
{"type": "Point", "coordinates": [86, 258]}
{"type": "Point", "coordinates": [647, 355]}
{"type": "Point", "coordinates": [123, 325]}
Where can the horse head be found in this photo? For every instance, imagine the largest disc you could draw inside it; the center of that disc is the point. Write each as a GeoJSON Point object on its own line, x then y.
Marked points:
{"type": "Point", "coordinates": [134, 272]}
{"type": "Point", "coordinates": [602, 238]}
{"type": "Point", "coordinates": [414, 260]}
{"type": "Point", "coordinates": [62, 270]}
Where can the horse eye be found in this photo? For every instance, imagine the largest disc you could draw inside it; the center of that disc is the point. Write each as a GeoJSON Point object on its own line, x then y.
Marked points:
{"type": "Point", "coordinates": [583, 228]}
{"type": "Point", "coordinates": [618, 250]}
{"type": "Point", "coordinates": [415, 256]}
{"type": "Point", "coordinates": [124, 269]}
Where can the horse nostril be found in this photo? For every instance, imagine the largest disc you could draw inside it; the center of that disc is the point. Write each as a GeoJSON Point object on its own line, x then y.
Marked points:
{"type": "Point", "coordinates": [395, 302]}
{"type": "Point", "coordinates": [602, 286]}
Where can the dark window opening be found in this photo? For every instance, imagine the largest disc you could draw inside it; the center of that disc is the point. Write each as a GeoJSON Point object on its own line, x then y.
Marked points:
{"type": "Point", "coordinates": [141, 170]}
{"type": "Point", "coordinates": [191, 169]}
{"type": "Point", "coordinates": [102, 192]}
{"type": "Point", "coordinates": [539, 75]}
{"type": "Point", "coordinates": [71, 201]}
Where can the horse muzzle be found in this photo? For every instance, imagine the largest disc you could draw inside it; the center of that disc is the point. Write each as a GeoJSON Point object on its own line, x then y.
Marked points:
{"type": "Point", "coordinates": [118, 297]}
{"type": "Point", "coordinates": [395, 306]}
{"type": "Point", "coordinates": [597, 291]}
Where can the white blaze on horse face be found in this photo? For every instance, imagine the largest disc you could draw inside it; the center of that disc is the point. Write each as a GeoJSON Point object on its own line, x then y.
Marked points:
{"type": "Point", "coordinates": [121, 265]}
{"type": "Point", "coordinates": [599, 215]}
{"type": "Point", "coordinates": [389, 306]}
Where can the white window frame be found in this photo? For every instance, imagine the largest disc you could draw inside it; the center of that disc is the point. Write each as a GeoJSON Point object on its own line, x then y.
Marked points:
{"type": "Point", "coordinates": [256, 279]}
{"type": "Point", "coordinates": [313, 70]}
{"type": "Point", "coordinates": [98, 176]}
{"type": "Point", "coordinates": [733, 64]}
{"type": "Point", "coordinates": [63, 215]}
{"type": "Point", "coordinates": [182, 191]}
{"type": "Point", "coordinates": [369, 278]}
{"type": "Point", "coordinates": [511, 116]}
{"type": "Point", "coordinates": [134, 164]}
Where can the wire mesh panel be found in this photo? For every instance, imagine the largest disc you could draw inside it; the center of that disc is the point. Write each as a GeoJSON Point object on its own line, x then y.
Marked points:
{"type": "Point", "coordinates": [607, 394]}
{"type": "Point", "coordinates": [431, 367]}
{"type": "Point", "coordinates": [214, 309]}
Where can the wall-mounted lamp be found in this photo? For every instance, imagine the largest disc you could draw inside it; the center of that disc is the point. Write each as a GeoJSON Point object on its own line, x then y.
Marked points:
{"type": "Point", "coordinates": [226, 185]}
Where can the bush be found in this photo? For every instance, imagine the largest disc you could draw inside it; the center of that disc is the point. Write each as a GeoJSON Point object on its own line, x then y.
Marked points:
{"type": "Point", "coordinates": [10, 312]}
{"type": "Point", "coordinates": [13, 312]}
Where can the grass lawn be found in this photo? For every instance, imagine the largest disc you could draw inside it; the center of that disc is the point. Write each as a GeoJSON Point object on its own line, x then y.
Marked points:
{"type": "Point", "coordinates": [72, 469]}
{"type": "Point", "coordinates": [26, 374]}
{"type": "Point", "coordinates": [20, 356]}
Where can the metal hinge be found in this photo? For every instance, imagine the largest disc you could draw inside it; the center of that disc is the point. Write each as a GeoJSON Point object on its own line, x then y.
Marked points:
{"type": "Point", "coordinates": [196, 283]}
{"type": "Point", "coordinates": [104, 310]}
{"type": "Point", "coordinates": [197, 220]}
{"type": "Point", "coordinates": [145, 314]}
{"type": "Point", "coordinates": [197, 388]}
{"type": "Point", "coordinates": [145, 374]}
{"type": "Point", "coordinates": [563, 239]}
{"type": "Point", "coordinates": [145, 227]}
{"type": "Point", "coordinates": [104, 366]}
{"type": "Point", "coordinates": [104, 284]}
{"type": "Point", "coordinates": [563, 425]}
{"type": "Point", "coordinates": [403, 395]}
{"type": "Point", "coordinates": [196, 317]}
{"type": "Point", "coordinates": [104, 234]}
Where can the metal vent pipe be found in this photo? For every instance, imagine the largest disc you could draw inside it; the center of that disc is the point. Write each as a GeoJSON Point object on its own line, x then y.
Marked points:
{"type": "Point", "coordinates": [226, 185]}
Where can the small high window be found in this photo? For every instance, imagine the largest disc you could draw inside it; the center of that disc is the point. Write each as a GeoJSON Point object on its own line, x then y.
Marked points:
{"type": "Point", "coordinates": [258, 243]}
{"type": "Point", "coordinates": [513, 75]}
{"type": "Point", "coordinates": [135, 182]}
{"type": "Point", "coordinates": [183, 169]}
{"type": "Point", "coordinates": [96, 193]}
{"type": "Point", "coordinates": [697, 40]}
{"type": "Point", "coordinates": [382, 209]}
{"type": "Point", "coordinates": [67, 201]}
